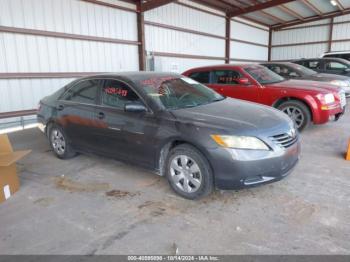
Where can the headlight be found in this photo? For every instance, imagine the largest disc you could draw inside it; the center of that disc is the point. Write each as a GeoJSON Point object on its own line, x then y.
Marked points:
{"type": "Point", "coordinates": [326, 99]}
{"type": "Point", "coordinates": [240, 142]}
{"type": "Point", "coordinates": [340, 83]}
{"type": "Point", "coordinates": [329, 98]}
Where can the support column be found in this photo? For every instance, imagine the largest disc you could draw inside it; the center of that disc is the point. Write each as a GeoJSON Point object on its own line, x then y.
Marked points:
{"type": "Point", "coordinates": [141, 37]}
{"type": "Point", "coordinates": [227, 40]}
{"type": "Point", "coordinates": [330, 38]}
{"type": "Point", "coordinates": [270, 45]}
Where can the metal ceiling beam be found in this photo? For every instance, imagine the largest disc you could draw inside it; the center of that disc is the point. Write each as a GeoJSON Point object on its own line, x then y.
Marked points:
{"type": "Point", "coordinates": [290, 12]}
{"type": "Point", "coordinates": [258, 7]}
{"type": "Point", "coordinates": [312, 7]}
{"type": "Point", "coordinates": [311, 19]}
{"type": "Point", "coordinates": [339, 5]}
{"type": "Point", "coordinates": [151, 4]}
{"type": "Point", "coordinates": [272, 17]}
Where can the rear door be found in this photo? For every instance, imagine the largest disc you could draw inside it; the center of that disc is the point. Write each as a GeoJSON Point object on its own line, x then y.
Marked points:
{"type": "Point", "coordinates": [126, 135]}
{"type": "Point", "coordinates": [76, 113]}
{"type": "Point", "coordinates": [227, 82]}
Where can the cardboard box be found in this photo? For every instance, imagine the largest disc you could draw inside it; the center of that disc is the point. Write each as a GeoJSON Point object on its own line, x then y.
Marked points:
{"type": "Point", "coordinates": [9, 182]}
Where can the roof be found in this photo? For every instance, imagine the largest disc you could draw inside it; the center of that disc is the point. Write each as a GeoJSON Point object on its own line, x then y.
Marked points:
{"type": "Point", "coordinates": [325, 59]}
{"type": "Point", "coordinates": [275, 14]}
{"type": "Point", "coordinates": [134, 75]}
{"type": "Point", "coordinates": [210, 67]}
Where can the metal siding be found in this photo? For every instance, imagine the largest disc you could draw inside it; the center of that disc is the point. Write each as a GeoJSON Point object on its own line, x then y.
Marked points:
{"type": "Point", "coordinates": [69, 16]}
{"type": "Point", "coordinates": [247, 51]}
{"type": "Point", "coordinates": [341, 31]}
{"type": "Point", "coordinates": [172, 41]}
{"type": "Point", "coordinates": [22, 94]}
{"type": "Point", "coordinates": [300, 35]}
{"type": "Point", "coordinates": [342, 18]}
{"type": "Point", "coordinates": [341, 46]}
{"type": "Point", "coordinates": [184, 17]}
{"type": "Point", "coordinates": [29, 53]}
{"type": "Point", "coordinates": [249, 33]}
{"type": "Point", "coordinates": [297, 52]}
{"type": "Point", "coordinates": [179, 65]}
{"type": "Point", "coordinates": [26, 53]}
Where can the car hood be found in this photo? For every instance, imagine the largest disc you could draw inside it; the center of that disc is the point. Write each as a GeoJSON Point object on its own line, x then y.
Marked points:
{"type": "Point", "coordinates": [307, 85]}
{"type": "Point", "coordinates": [236, 117]}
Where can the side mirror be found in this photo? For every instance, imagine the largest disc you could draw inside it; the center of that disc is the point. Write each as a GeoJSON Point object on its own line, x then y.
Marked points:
{"type": "Point", "coordinates": [135, 107]}
{"type": "Point", "coordinates": [243, 81]}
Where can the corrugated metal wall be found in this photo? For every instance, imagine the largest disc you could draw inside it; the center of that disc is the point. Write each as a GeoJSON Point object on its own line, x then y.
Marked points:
{"type": "Point", "coordinates": [173, 40]}
{"type": "Point", "coordinates": [297, 36]}
{"type": "Point", "coordinates": [254, 35]}
{"type": "Point", "coordinates": [287, 43]}
{"type": "Point", "coordinates": [23, 53]}
{"type": "Point", "coordinates": [341, 31]}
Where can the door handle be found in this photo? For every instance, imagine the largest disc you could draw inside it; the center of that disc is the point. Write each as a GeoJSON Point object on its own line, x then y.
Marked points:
{"type": "Point", "coordinates": [60, 107]}
{"type": "Point", "coordinates": [101, 115]}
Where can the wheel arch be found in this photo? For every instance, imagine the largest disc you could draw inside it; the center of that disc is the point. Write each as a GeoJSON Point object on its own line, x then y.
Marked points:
{"type": "Point", "coordinates": [282, 100]}
{"type": "Point", "coordinates": [166, 148]}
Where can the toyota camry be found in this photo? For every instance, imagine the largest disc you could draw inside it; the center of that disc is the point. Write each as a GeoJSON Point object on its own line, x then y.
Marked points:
{"type": "Point", "coordinates": [198, 139]}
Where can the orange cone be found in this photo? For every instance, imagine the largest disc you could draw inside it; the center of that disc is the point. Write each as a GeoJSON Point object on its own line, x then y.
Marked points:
{"type": "Point", "coordinates": [347, 157]}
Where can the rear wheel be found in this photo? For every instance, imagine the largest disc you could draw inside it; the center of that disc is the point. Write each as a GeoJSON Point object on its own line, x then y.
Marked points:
{"type": "Point", "coordinates": [59, 143]}
{"type": "Point", "coordinates": [298, 112]}
{"type": "Point", "coordinates": [188, 172]}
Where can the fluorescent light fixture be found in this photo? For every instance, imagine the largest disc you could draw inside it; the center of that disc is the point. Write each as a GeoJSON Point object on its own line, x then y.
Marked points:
{"type": "Point", "coordinates": [334, 2]}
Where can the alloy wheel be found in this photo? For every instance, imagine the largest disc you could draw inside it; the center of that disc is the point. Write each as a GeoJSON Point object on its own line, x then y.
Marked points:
{"type": "Point", "coordinates": [185, 173]}
{"type": "Point", "coordinates": [58, 142]}
{"type": "Point", "coordinates": [295, 114]}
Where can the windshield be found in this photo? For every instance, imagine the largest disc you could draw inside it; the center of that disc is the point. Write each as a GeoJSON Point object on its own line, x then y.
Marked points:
{"type": "Point", "coordinates": [304, 70]}
{"type": "Point", "coordinates": [263, 75]}
{"type": "Point", "coordinates": [176, 93]}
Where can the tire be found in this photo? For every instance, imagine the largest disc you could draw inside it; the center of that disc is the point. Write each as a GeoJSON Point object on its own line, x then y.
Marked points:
{"type": "Point", "coordinates": [193, 181]}
{"type": "Point", "coordinates": [298, 112]}
{"type": "Point", "coordinates": [59, 142]}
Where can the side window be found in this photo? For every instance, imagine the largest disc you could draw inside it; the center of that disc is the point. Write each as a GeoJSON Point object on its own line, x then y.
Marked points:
{"type": "Point", "coordinates": [284, 71]}
{"type": "Point", "coordinates": [313, 64]}
{"type": "Point", "coordinates": [335, 66]}
{"type": "Point", "coordinates": [201, 77]}
{"type": "Point", "coordinates": [276, 69]}
{"type": "Point", "coordinates": [117, 94]}
{"type": "Point", "coordinates": [83, 92]}
{"type": "Point", "coordinates": [226, 77]}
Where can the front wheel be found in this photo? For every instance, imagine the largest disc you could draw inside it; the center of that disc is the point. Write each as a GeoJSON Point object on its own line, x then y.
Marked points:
{"type": "Point", "coordinates": [298, 112]}
{"type": "Point", "coordinates": [188, 172]}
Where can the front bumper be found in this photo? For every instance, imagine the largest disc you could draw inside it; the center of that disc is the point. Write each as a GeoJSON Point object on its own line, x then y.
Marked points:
{"type": "Point", "coordinates": [235, 169]}
{"type": "Point", "coordinates": [325, 115]}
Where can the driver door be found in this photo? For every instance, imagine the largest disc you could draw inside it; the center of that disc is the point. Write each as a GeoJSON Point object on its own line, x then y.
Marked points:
{"type": "Point", "coordinates": [229, 83]}
{"type": "Point", "coordinates": [126, 135]}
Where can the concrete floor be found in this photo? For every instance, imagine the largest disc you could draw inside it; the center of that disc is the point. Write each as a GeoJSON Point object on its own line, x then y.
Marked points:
{"type": "Point", "coordinates": [92, 205]}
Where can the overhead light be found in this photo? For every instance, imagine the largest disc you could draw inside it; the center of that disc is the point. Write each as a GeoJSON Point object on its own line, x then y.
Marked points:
{"type": "Point", "coordinates": [334, 2]}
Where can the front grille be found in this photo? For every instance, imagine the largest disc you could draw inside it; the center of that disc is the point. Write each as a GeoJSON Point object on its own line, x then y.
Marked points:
{"type": "Point", "coordinates": [284, 140]}
{"type": "Point", "coordinates": [342, 99]}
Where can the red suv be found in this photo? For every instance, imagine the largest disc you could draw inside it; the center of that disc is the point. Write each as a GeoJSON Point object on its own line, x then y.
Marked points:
{"type": "Point", "coordinates": [304, 101]}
